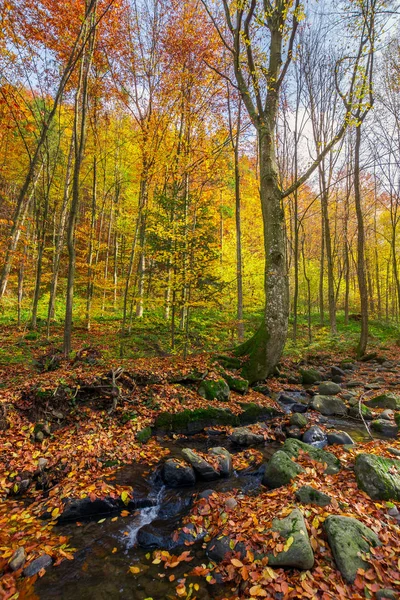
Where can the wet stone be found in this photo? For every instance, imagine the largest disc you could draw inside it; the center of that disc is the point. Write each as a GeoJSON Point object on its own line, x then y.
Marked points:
{"type": "Point", "coordinates": [43, 562]}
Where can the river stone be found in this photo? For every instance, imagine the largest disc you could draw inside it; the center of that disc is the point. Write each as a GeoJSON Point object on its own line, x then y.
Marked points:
{"type": "Point", "coordinates": [176, 475]}
{"type": "Point", "coordinates": [201, 466]}
{"type": "Point", "coordinates": [315, 434]}
{"type": "Point", "coordinates": [384, 401]}
{"type": "Point", "coordinates": [337, 371]}
{"type": "Point", "coordinates": [262, 389]}
{"type": "Point", "coordinates": [293, 447]}
{"type": "Point", "coordinates": [224, 459]}
{"type": "Point", "coordinates": [329, 405]}
{"type": "Point", "coordinates": [365, 411]}
{"type": "Point", "coordinates": [310, 376]}
{"type": "Point", "coordinates": [83, 508]}
{"type": "Point", "coordinates": [377, 476]}
{"type": "Point", "coordinates": [309, 495]}
{"type": "Point", "coordinates": [298, 420]}
{"type": "Point", "coordinates": [385, 428]}
{"type": "Point", "coordinates": [339, 437]}
{"type": "Point", "coordinates": [348, 538]}
{"type": "Point", "coordinates": [387, 415]}
{"type": "Point", "coordinates": [214, 390]}
{"type": "Point", "coordinates": [300, 554]}
{"type": "Point", "coordinates": [280, 470]}
{"type": "Point", "coordinates": [237, 384]}
{"type": "Point", "coordinates": [223, 545]}
{"type": "Point", "coordinates": [37, 565]}
{"type": "Point", "coordinates": [329, 388]}
{"type": "Point", "coordinates": [299, 408]}
{"type": "Point", "coordinates": [294, 432]}
{"type": "Point", "coordinates": [18, 559]}
{"type": "Point", "coordinates": [242, 436]}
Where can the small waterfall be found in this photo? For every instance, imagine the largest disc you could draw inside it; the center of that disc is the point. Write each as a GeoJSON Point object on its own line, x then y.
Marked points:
{"type": "Point", "coordinates": [145, 516]}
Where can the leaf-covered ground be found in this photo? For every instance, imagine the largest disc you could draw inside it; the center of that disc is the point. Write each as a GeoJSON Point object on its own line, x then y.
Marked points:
{"type": "Point", "coordinates": [86, 443]}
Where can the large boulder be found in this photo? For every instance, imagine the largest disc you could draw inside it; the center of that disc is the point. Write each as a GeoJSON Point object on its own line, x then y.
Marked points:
{"type": "Point", "coordinates": [224, 459]}
{"type": "Point", "coordinates": [384, 401]}
{"type": "Point", "coordinates": [176, 474]}
{"type": "Point", "coordinates": [385, 428]}
{"type": "Point", "coordinates": [297, 552]}
{"type": "Point", "coordinates": [329, 388]}
{"type": "Point", "coordinates": [242, 436]}
{"type": "Point", "coordinates": [280, 470]}
{"type": "Point", "coordinates": [81, 509]}
{"type": "Point", "coordinates": [349, 539]}
{"type": "Point", "coordinates": [309, 495]}
{"type": "Point", "coordinates": [310, 376]}
{"type": "Point", "coordinates": [329, 406]}
{"type": "Point", "coordinates": [377, 476]}
{"type": "Point", "coordinates": [293, 447]}
{"type": "Point", "coordinates": [211, 389]}
{"type": "Point", "coordinates": [201, 466]}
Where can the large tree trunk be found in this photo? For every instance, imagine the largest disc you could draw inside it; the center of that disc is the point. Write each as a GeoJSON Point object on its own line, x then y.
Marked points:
{"type": "Point", "coordinates": [265, 348]}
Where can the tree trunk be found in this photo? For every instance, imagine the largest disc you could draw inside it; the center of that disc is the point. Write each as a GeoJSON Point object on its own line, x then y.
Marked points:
{"type": "Point", "coordinates": [362, 280]}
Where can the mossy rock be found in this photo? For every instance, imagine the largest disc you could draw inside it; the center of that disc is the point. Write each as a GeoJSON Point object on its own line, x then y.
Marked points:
{"type": "Point", "coordinates": [280, 470]}
{"type": "Point", "coordinates": [229, 362]}
{"type": "Point", "coordinates": [298, 420]}
{"type": "Point", "coordinates": [253, 412]}
{"type": "Point", "coordinates": [144, 435]}
{"type": "Point", "coordinates": [237, 384]}
{"type": "Point", "coordinates": [397, 419]}
{"type": "Point", "coordinates": [310, 376]}
{"type": "Point", "coordinates": [365, 411]}
{"type": "Point", "coordinates": [195, 421]}
{"type": "Point", "coordinates": [292, 447]}
{"type": "Point", "coordinates": [349, 539]}
{"type": "Point", "coordinates": [329, 405]}
{"type": "Point", "coordinates": [378, 477]}
{"type": "Point", "coordinates": [309, 495]}
{"type": "Point", "coordinates": [385, 428]}
{"type": "Point", "coordinates": [384, 401]}
{"type": "Point", "coordinates": [211, 389]}
{"type": "Point", "coordinates": [299, 555]}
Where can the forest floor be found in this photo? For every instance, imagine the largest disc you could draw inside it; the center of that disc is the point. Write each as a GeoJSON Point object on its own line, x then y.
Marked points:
{"type": "Point", "coordinates": [61, 439]}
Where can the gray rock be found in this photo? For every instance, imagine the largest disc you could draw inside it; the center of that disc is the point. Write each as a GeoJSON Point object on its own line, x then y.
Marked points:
{"type": "Point", "coordinates": [84, 509]}
{"type": "Point", "coordinates": [280, 470]}
{"type": "Point", "coordinates": [262, 389]}
{"type": "Point", "coordinates": [201, 466]}
{"type": "Point", "coordinates": [339, 437]}
{"type": "Point", "coordinates": [242, 436]}
{"type": "Point", "coordinates": [372, 386]}
{"type": "Point", "coordinates": [42, 463]}
{"type": "Point", "coordinates": [176, 475]}
{"type": "Point", "coordinates": [384, 401]}
{"type": "Point", "coordinates": [230, 503]}
{"type": "Point", "coordinates": [214, 390]}
{"type": "Point", "coordinates": [37, 565]}
{"type": "Point", "coordinates": [18, 559]}
{"type": "Point", "coordinates": [315, 435]}
{"type": "Point", "coordinates": [221, 546]}
{"type": "Point", "coordinates": [348, 538]}
{"type": "Point", "coordinates": [354, 383]}
{"type": "Point", "coordinates": [300, 554]}
{"type": "Point", "coordinates": [224, 459]}
{"type": "Point", "coordinates": [39, 436]}
{"type": "Point", "coordinates": [329, 388]}
{"type": "Point", "coordinates": [293, 447]}
{"type": "Point", "coordinates": [329, 405]}
{"type": "Point", "coordinates": [309, 495]}
{"type": "Point", "coordinates": [387, 415]}
{"type": "Point", "coordinates": [377, 476]}
{"type": "Point", "coordinates": [298, 420]}
{"type": "Point", "coordinates": [299, 408]}
{"type": "Point", "coordinates": [385, 428]}
{"type": "Point", "coordinates": [365, 411]}
{"type": "Point", "coordinates": [337, 371]}
{"type": "Point", "coordinates": [394, 451]}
